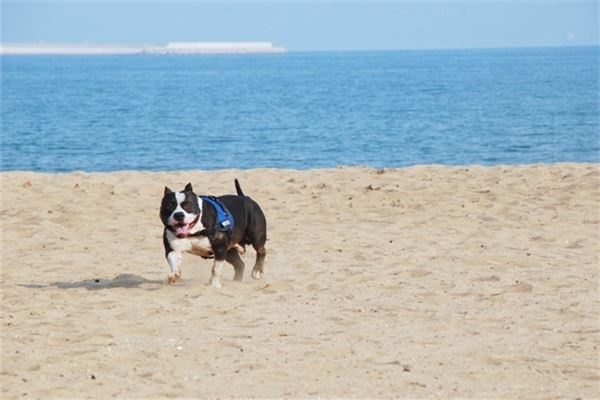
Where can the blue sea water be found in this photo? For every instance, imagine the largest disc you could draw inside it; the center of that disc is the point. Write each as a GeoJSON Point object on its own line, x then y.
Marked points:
{"type": "Point", "coordinates": [300, 110]}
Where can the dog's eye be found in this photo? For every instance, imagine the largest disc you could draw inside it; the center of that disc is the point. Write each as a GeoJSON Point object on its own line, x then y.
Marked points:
{"type": "Point", "coordinates": [187, 206]}
{"type": "Point", "coordinates": [172, 204]}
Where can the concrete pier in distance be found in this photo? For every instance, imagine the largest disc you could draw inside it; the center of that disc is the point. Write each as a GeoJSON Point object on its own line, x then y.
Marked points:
{"type": "Point", "coordinates": [169, 48]}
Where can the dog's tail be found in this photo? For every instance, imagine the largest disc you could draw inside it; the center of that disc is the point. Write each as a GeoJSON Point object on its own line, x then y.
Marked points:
{"type": "Point", "coordinates": [238, 188]}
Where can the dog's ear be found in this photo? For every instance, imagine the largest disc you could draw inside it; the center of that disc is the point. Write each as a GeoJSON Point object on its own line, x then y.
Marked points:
{"type": "Point", "coordinates": [168, 191]}
{"type": "Point", "coordinates": [188, 188]}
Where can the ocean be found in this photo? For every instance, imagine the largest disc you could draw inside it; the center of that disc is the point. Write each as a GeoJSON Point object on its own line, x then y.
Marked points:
{"type": "Point", "coordinates": [300, 110]}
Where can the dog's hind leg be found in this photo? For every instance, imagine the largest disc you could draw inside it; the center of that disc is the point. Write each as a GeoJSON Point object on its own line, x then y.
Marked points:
{"type": "Point", "coordinates": [233, 258]}
{"type": "Point", "coordinates": [261, 253]}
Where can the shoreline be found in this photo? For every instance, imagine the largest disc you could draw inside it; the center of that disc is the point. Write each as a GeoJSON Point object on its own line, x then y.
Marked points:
{"type": "Point", "coordinates": [430, 281]}
{"type": "Point", "coordinates": [331, 168]}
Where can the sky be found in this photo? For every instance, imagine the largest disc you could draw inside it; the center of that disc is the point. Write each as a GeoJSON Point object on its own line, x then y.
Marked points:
{"type": "Point", "coordinates": [306, 25]}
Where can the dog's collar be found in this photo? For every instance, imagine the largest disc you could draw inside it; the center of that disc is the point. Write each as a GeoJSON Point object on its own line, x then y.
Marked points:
{"type": "Point", "coordinates": [194, 222]}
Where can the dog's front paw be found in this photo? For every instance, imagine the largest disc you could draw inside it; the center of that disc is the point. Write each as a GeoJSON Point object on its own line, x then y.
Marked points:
{"type": "Point", "coordinates": [173, 278]}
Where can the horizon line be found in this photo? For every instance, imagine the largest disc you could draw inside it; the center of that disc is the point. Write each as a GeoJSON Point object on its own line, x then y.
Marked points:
{"type": "Point", "coordinates": [142, 48]}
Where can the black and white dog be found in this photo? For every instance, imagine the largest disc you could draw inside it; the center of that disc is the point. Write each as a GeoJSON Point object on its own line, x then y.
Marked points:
{"type": "Point", "coordinates": [191, 226]}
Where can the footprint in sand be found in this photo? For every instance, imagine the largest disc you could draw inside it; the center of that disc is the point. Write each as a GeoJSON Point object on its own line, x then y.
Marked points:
{"type": "Point", "coordinates": [419, 273]}
{"type": "Point", "coordinates": [313, 287]}
{"type": "Point", "coordinates": [267, 288]}
{"type": "Point", "coordinates": [491, 278]}
{"type": "Point", "coordinates": [519, 287]}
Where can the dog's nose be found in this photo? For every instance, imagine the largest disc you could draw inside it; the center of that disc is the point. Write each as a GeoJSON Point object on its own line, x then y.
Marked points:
{"type": "Point", "coordinates": [179, 216]}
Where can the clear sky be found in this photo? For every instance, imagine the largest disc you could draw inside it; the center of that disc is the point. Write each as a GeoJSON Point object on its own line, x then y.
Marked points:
{"type": "Point", "coordinates": [307, 25]}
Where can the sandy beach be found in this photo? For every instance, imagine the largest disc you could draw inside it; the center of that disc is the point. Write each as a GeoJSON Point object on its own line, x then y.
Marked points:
{"type": "Point", "coordinates": [421, 282]}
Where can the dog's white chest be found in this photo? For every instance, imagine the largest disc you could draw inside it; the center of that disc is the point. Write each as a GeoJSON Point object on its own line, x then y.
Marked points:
{"type": "Point", "coordinates": [199, 246]}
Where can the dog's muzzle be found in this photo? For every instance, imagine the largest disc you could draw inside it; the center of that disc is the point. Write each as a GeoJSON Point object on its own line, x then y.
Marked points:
{"type": "Point", "coordinates": [183, 230]}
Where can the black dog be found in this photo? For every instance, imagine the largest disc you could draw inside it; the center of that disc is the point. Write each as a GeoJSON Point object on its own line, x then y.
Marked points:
{"type": "Point", "coordinates": [212, 227]}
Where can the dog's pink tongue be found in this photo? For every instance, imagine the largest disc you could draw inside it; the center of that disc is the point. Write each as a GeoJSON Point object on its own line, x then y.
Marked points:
{"type": "Point", "coordinates": [182, 230]}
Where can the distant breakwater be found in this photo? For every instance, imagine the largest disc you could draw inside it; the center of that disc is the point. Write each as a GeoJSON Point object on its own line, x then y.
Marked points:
{"type": "Point", "coordinates": [169, 48]}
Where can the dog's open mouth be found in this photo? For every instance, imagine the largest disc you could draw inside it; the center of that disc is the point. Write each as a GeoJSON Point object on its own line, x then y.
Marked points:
{"type": "Point", "coordinates": [182, 229]}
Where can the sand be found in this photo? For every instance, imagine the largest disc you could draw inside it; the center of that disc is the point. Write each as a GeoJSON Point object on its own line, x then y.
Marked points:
{"type": "Point", "coordinates": [420, 282]}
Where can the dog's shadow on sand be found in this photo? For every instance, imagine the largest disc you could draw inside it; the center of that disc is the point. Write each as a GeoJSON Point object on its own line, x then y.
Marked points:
{"type": "Point", "coordinates": [119, 281]}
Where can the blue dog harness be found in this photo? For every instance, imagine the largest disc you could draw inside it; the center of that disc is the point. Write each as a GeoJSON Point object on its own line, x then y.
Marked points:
{"type": "Point", "coordinates": [224, 219]}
